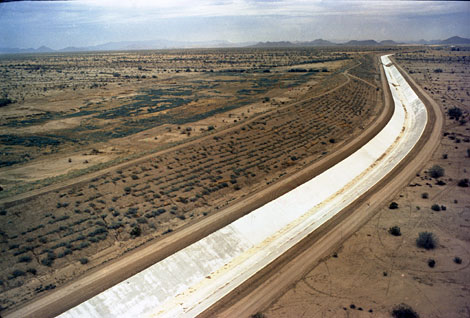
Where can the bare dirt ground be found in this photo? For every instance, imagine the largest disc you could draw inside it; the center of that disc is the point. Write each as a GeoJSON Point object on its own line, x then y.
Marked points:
{"type": "Point", "coordinates": [372, 271]}
{"type": "Point", "coordinates": [124, 105]}
{"type": "Point", "coordinates": [98, 279]}
{"type": "Point", "coordinates": [54, 237]}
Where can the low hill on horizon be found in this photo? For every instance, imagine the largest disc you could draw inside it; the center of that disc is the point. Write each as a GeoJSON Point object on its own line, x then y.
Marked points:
{"type": "Point", "coordinates": [167, 44]}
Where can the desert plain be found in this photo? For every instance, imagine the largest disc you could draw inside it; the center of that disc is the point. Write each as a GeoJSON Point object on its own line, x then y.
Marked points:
{"type": "Point", "coordinates": [105, 154]}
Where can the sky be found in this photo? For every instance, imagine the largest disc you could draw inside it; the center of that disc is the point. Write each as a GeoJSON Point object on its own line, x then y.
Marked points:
{"type": "Point", "coordinates": [59, 24]}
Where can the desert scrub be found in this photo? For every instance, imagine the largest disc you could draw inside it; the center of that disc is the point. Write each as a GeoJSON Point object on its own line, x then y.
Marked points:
{"type": "Point", "coordinates": [436, 171]}
{"type": "Point", "coordinates": [17, 273]}
{"type": "Point", "coordinates": [84, 244]}
{"type": "Point", "coordinates": [136, 231]}
{"type": "Point", "coordinates": [393, 206]}
{"type": "Point", "coordinates": [404, 311]}
{"type": "Point", "coordinates": [454, 113]}
{"type": "Point", "coordinates": [47, 261]}
{"type": "Point", "coordinates": [426, 240]}
{"type": "Point", "coordinates": [395, 230]}
{"type": "Point", "coordinates": [25, 259]}
{"type": "Point", "coordinates": [5, 102]}
{"type": "Point", "coordinates": [142, 220]}
{"type": "Point", "coordinates": [464, 183]}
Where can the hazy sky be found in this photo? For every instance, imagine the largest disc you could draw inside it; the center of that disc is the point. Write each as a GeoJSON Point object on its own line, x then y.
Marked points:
{"type": "Point", "coordinates": [59, 24]}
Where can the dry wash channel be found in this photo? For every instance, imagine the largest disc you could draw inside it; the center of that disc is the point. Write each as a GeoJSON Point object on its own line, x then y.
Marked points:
{"type": "Point", "coordinates": [191, 280]}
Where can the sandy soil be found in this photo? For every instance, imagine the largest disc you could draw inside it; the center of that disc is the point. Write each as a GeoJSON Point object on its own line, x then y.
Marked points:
{"type": "Point", "coordinates": [97, 280]}
{"type": "Point", "coordinates": [370, 272]}
{"type": "Point", "coordinates": [42, 169]}
{"type": "Point", "coordinates": [145, 96]}
{"type": "Point", "coordinates": [89, 198]}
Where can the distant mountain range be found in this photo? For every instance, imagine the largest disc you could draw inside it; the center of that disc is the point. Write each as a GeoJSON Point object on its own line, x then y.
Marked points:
{"type": "Point", "coordinates": [455, 40]}
{"type": "Point", "coordinates": [132, 45]}
{"type": "Point", "coordinates": [166, 44]}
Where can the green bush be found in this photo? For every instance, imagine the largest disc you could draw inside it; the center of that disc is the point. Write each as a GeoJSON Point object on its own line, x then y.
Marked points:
{"type": "Point", "coordinates": [436, 171]}
{"type": "Point", "coordinates": [404, 311]}
{"type": "Point", "coordinates": [455, 112]}
{"type": "Point", "coordinates": [142, 220]}
{"type": "Point", "coordinates": [395, 230]}
{"type": "Point", "coordinates": [18, 273]}
{"type": "Point", "coordinates": [83, 260]}
{"type": "Point", "coordinates": [393, 206]}
{"type": "Point", "coordinates": [84, 245]}
{"type": "Point", "coordinates": [49, 259]}
{"type": "Point", "coordinates": [5, 101]}
{"type": "Point", "coordinates": [435, 207]}
{"type": "Point", "coordinates": [97, 231]}
{"type": "Point", "coordinates": [457, 260]}
{"type": "Point", "coordinates": [136, 231]}
{"type": "Point", "coordinates": [464, 183]}
{"type": "Point", "coordinates": [115, 225]}
{"type": "Point", "coordinates": [46, 262]}
{"type": "Point", "coordinates": [25, 259]}
{"type": "Point", "coordinates": [426, 240]}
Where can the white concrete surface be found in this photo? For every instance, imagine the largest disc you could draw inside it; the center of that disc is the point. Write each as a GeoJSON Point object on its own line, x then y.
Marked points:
{"type": "Point", "coordinates": [189, 281]}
